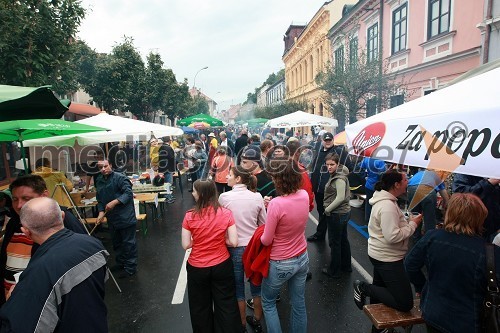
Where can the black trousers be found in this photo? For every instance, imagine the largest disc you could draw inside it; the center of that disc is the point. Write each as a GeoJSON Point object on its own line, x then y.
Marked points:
{"type": "Point", "coordinates": [125, 247]}
{"type": "Point", "coordinates": [222, 187]}
{"type": "Point", "coordinates": [322, 224]}
{"type": "Point", "coordinates": [391, 285]}
{"type": "Point", "coordinates": [212, 299]}
{"type": "Point", "coordinates": [340, 249]}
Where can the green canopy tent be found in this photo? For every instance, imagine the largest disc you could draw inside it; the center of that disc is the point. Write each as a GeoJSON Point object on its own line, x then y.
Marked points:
{"type": "Point", "coordinates": [200, 118]}
{"type": "Point", "coordinates": [20, 130]}
{"type": "Point", "coordinates": [257, 121]}
{"type": "Point", "coordinates": [18, 103]}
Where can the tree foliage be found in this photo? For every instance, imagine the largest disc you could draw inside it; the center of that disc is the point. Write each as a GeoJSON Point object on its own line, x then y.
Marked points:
{"type": "Point", "coordinates": [121, 80]}
{"type": "Point", "coordinates": [37, 41]}
{"type": "Point", "coordinates": [279, 110]}
{"type": "Point", "coordinates": [351, 83]}
{"type": "Point", "coordinates": [198, 105]}
{"type": "Point", "coordinates": [271, 79]}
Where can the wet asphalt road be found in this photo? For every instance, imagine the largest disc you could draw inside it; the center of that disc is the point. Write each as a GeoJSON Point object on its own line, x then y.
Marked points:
{"type": "Point", "coordinates": [145, 305]}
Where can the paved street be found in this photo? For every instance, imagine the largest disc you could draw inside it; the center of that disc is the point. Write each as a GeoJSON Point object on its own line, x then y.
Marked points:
{"type": "Point", "coordinates": [146, 303]}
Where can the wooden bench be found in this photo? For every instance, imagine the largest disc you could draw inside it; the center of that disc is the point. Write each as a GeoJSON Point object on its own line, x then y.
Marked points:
{"type": "Point", "coordinates": [383, 316]}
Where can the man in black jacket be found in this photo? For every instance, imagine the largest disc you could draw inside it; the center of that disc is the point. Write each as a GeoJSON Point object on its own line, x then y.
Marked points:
{"type": "Point", "coordinates": [166, 160]}
{"type": "Point", "coordinates": [319, 178]}
{"type": "Point", "coordinates": [24, 189]}
{"type": "Point", "coordinates": [241, 142]}
{"type": "Point", "coordinates": [62, 289]}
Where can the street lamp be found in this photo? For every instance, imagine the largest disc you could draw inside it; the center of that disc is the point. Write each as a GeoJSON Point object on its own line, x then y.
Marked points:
{"type": "Point", "coordinates": [194, 81]}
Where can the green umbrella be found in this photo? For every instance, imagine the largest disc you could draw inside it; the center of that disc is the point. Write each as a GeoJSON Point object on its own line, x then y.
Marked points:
{"type": "Point", "coordinates": [200, 118]}
{"type": "Point", "coordinates": [20, 130]}
{"type": "Point", "coordinates": [30, 103]}
{"type": "Point", "coordinates": [257, 121]}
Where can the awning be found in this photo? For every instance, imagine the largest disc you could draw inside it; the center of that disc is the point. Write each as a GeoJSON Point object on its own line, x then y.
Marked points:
{"type": "Point", "coordinates": [83, 109]}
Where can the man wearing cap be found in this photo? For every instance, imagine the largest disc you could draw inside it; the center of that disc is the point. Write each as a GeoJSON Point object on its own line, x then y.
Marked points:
{"type": "Point", "coordinates": [212, 147]}
{"type": "Point", "coordinates": [252, 162]}
{"type": "Point", "coordinates": [319, 178]}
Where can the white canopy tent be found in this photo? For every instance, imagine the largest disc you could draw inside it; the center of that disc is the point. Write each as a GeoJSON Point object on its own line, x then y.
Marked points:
{"type": "Point", "coordinates": [121, 129]}
{"type": "Point", "coordinates": [454, 129]}
{"type": "Point", "coordinates": [299, 119]}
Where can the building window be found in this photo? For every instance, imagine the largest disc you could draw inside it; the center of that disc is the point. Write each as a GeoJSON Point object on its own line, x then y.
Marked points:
{"type": "Point", "coordinates": [399, 29]}
{"type": "Point", "coordinates": [396, 100]}
{"type": "Point", "coordinates": [372, 42]}
{"type": "Point", "coordinates": [339, 59]}
{"type": "Point", "coordinates": [439, 17]}
{"type": "Point", "coordinates": [353, 52]}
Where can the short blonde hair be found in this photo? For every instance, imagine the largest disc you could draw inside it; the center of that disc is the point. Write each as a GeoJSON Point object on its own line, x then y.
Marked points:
{"type": "Point", "coordinates": [465, 214]}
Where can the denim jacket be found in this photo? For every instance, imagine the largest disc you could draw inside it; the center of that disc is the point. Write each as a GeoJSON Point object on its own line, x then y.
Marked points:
{"type": "Point", "coordinates": [454, 291]}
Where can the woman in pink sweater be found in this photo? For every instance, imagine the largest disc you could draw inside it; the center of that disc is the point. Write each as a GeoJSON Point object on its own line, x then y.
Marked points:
{"type": "Point", "coordinates": [249, 212]}
{"type": "Point", "coordinates": [286, 221]}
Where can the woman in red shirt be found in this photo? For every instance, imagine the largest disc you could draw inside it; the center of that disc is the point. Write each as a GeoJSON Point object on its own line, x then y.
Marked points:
{"type": "Point", "coordinates": [207, 230]}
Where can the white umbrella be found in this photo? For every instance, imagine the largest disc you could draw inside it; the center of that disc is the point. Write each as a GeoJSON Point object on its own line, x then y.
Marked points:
{"type": "Point", "coordinates": [121, 129]}
{"type": "Point", "coordinates": [299, 119]}
{"type": "Point", "coordinates": [454, 129]}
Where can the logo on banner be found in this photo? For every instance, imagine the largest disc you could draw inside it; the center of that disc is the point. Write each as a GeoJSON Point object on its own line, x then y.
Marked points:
{"type": "Point", "coordinates": [368, 139]}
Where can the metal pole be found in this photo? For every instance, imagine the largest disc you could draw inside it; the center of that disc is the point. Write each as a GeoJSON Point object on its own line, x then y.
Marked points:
{"type": "Point", "coordinates": [194, 81]}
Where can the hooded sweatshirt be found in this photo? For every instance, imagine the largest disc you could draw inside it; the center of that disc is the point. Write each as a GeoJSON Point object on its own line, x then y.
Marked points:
{"type": "Point", "coordinates": [388, 229]}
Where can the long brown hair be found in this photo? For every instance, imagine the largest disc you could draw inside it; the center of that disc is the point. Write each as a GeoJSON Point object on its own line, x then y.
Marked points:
{"type": "Point", "coordinates": [246, 177]}
{"type": "Point", "coordinates": [465, 214]}
{"type": "Point", "coordinates": [207, 196]}
{"type": "Point", "coordinates": [286, 176]}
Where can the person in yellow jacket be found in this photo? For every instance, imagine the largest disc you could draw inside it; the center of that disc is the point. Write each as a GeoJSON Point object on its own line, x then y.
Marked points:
{"type": "Point", "coordinates": [52, 178]}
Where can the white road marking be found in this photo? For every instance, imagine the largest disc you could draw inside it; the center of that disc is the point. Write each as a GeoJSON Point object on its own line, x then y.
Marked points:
{"type": "Point", "coordinates": [357, 266]}
{"type": "Point", "coordinates": [180, 287]}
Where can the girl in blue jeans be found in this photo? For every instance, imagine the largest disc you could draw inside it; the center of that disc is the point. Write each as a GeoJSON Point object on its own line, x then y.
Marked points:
{"type": "Point", "coordinates": [287, 216]}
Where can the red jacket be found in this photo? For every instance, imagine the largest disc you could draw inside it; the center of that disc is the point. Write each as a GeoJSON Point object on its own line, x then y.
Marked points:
{"type": "Point", "coordinates": [307, 186]}
{"type": "Point", "coordinates": [256, 258]}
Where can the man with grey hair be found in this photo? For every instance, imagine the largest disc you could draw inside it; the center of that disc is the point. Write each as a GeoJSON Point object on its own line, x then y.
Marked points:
{"type": "Point", "coordinates": [62, 289]}
{"type": "Point", "coordinates": [225, 142]}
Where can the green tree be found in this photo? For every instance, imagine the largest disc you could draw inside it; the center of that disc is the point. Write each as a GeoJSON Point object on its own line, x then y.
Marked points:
{"type": "Point", "coordinates": [198, 105]}
{"type": "Point", "coordinates": [279, 110]}
{"type": "Point", "coordinates": [117, 79]}
{"type": "Point", "coordinates": [36, 42]}
{"type": "Point", "coordinates": [351, 84]}
{"type": "Point", "coordinates": [271, 79]}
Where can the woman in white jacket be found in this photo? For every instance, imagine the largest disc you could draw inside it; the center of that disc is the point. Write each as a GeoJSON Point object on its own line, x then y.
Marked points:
{"type": "Point", "coordinates": [387, 246]}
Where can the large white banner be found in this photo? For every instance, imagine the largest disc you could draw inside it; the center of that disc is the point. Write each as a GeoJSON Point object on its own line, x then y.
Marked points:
{"type": "Point", "coordinates": [454, 129]}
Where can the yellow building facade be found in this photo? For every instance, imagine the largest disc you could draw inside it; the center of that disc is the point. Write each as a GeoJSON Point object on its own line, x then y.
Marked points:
{"type": "Point", "coordinates": [307, 54]}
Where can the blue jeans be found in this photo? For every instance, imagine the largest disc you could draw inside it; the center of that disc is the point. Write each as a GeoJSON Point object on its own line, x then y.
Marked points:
{"type": "Point", "coordinates": [294, 271]}
{"type": "Point", "coordinates": [239, 274]}
{"type": "Point", "coordinates": [169, 178]}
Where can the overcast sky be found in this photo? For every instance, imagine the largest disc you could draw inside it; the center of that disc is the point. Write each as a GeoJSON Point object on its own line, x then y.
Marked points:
{"type": "Point", "coordinates": [241, 41]}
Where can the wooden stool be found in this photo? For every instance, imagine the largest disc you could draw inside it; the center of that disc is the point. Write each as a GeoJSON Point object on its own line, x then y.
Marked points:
{"type": "Point", "coordinates": [383, 316]}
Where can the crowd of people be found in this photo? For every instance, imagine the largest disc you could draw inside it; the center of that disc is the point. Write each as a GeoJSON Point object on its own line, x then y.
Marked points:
{"type": "Point", "coordinates": [252, 200]}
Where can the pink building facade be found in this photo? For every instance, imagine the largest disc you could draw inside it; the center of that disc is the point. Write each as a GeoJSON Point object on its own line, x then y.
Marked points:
{"type": "Point", "coordinates": [424, 43]}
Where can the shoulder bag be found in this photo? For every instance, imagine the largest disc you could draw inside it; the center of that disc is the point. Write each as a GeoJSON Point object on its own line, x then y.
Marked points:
{"type": "Point", "coordinates": [491, 322]}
